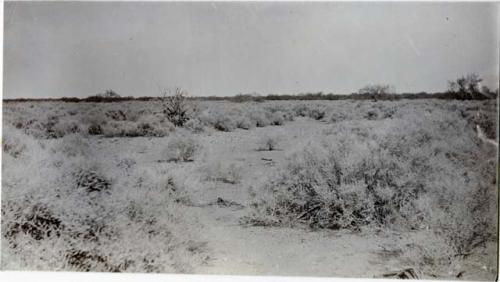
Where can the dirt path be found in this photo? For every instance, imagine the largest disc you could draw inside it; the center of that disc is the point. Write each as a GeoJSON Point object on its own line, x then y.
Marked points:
{"type": "Point", "coordinates": [284, 251]}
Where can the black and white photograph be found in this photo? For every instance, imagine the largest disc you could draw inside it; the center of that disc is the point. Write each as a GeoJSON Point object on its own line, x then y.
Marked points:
{"type": "Point", "coordinates": [271, 138]}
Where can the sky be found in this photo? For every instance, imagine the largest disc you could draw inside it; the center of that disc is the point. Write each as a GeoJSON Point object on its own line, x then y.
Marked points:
{"type": "Point", "coordinates": [78, 49]}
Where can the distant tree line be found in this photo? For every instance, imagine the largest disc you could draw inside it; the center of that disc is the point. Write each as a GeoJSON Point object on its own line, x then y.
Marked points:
{"type": "Point", "coordinates": [464, 88]}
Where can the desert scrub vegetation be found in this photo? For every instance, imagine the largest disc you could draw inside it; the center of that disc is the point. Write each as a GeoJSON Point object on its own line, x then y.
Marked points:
{"type": "Point", "coordinates": [175, 106]}
{"type": "Point", "coordinates": [195, 126]}
{"type": "Point", "coordinates": [229, 173]}
{"type": "Point", "coordinates": [109, 120]}
{"type": "Point", "coordinates": [56, 119]}
{"type": "Point", "coordinates": [408, 166]}
{"type": "Point", "coordinates": [425, 169]}
{"type": "Point", "coordinates": [268, 143]}
{"type": "Point", "coordinates": [80, 211]}
{"type": "Point", "coordinates": [181, 148]}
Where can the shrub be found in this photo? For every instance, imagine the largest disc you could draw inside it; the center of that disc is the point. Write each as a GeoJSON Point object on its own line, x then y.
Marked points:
{"type": "Point", "coordinates": [301, 110]}
{"type": "Point", "coordinates": [259, 118]}
{"type": "Point", "coordinates": [90, 261]}
{"type": "Point", "coordinates": [372, 115]}
{"type": "Point", "coordinates": [63, 128]}
{"type": "Point", "coordinates": [194, 125]}
{"type": "Point", "coordinates": [47, 127]}
{"type": "Point", "coordinates": [206, 117]}
{"type": "Point", "coordinates": [243, 122]}
{"type": "Point", "coordinates": [13, 142]}
{"type": "Point", "coordinates": [181, 148]}
{"type": "Point", "coordinates": [224, 123]}
{"type": "Point", "coordinates": [91, 181]}
{"type": "Point", "coordinates": [277, 118]}
{"type": "Point", "coordinates": [121, 129]}
{"type": "Point", "coordinates": [223, 172]}
{"type": "Point", "coordinates": [94, 129]}
{"type": "Point", "coordinates": [317, 113]}
{"type": "Point", "coordinates": [268, 143]}
{"type": "Point", "coordinates": [175, 106]}
{"type": "Point", "coordinates": [328, 191]}
{"type": "Point", "coordinates": [117, 115]}
{"type": "Point", "coordinates": [389, 176]}
{"type": "Point", "coordinates": [94, 120]}
{"type": "Point", "coordinates": [35, 220]}
{"type": "Point", "coordinates": [151, 128]}
{"type": "Point", "coordinates": [77, 216]}
{"type": "Point", "coordinates": [377, 91]}
{"type": "Point", "coordinates": [337, 117]}
{"type": "Point", "coordinates": [468, 223]}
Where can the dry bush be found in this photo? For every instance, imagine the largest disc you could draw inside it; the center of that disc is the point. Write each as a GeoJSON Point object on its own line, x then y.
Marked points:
{"type": "Point", "coordinates": [116, 115]}
{"type": "Point", "coordinates": [424, 170]}
{"type": "Point", "coordinates": [13, 142]}
{"type": "Point", "coordinates": [219, 118]}
{"type": "Point", "coordinates": [32, 219]}
{"type": "Point", "coordinates": [138, 118]}
{"type": "Point", "coordinates": [268, 143]}
{"type": "Point", "coordinates": [181, 148]}
{"type": "Point", "coordinates": [42, 128]}
{"type": "Point", "coordinates": [283, 110]}
{"type": "Point", "coordinates": [145, 127]}
{"type": "Point", "coordinates": [205, 116]}
{"type": "Point", "coordinates": [51, 126]}
{"type": "Point", "coordinates": [301, 110]}
{"type": "Point", "coordinates": [224, 123]}
{"type": "Point", "coordinates": [228, 116]}
{"type": "Point", "coordinates": [66, 127]}
{"type": "Point", "coordinates": [372, 114]}
{"type": "Point", "coordinates": [259, 118]}
{"type": "Point", "coordinates": [91, 181]}
{"type": "Point", "coordinates": [338, 188]}
{"type": "Point", "coordinates": [244, 122]}
{"type": "Point", "coordinates": [120, 129]}
{"type": "Point", "coordinates": [317, 113]}
{"type": "Point", "coordinates": [152, 129]}
{"type": "Point", "coordinates": [194, 125]}
{"type": "Point", "coordinates": [94, 129]}
{"type": "Point", "coordinates": [277, 118]}
{"type": "Point", "coordinates": [87, 261]}
{"type": "Point", "coordinates": [337, 117]}
{"type": "Point", "coordinates": [311, 110]}
{"type": "Point", "coordinates": [78, 216]}
{"type": "Point", "coordinates": [470, 221]}
{"type": "Point", "coordinates": [175, 106]}
{"type": "Point", "coordinates": [223, 172]}
{"type": "Point", "coordinates": [95, 119]}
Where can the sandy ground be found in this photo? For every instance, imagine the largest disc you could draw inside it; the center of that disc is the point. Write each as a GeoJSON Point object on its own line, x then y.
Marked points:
{"type": "Point", "coordinates": [236, 249]}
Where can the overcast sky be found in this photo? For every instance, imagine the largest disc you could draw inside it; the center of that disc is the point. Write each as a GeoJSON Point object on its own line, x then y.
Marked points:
{"type": "Point", "coordinates": [80, 49]}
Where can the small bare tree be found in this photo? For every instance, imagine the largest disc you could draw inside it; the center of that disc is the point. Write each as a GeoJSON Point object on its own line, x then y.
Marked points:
{"type": "Point", "coordinates": [110, 94]}
{"type": "Point", "coordinates": [175, 106]}
{"type": "Point", "coordinates": [377, 91]}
